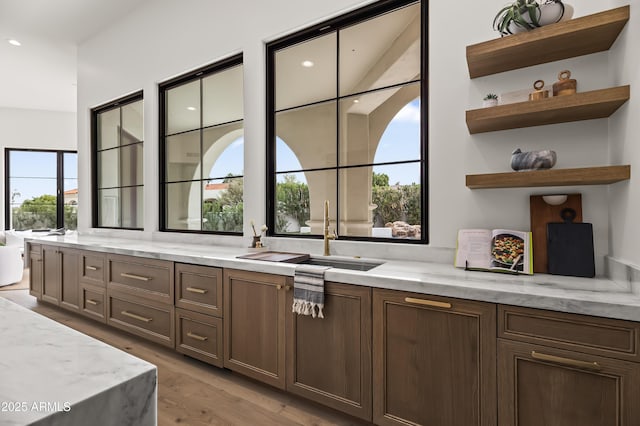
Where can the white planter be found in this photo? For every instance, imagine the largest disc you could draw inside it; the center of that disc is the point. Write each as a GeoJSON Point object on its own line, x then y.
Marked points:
{"type": "Point", "coordinates": [550, 13]}
{"type": "Point", "coordinates": [489, 103]}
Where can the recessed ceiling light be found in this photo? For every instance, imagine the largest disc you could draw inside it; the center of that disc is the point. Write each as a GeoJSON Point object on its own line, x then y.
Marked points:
{"type": "Point", "coordinates": [355, 101]}
{"type": "Point", "coordinates": [307, 64]}
{"type": "Point", "coordinates": [14, 42]}
{"type": "Point", "coordinates": [191, 108]}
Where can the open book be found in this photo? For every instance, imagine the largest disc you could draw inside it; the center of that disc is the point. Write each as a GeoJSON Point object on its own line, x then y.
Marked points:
{"type": "Point", "coordinates": [499, 250]}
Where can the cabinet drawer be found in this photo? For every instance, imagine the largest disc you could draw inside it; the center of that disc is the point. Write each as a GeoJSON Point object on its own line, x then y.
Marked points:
{"type": "Point", "coordinates": [93, 302]}
{"type": "Point", "coordinates": [199, 288]}
{"type": "Point", "coordinates": [154, 321]}
{"type": "Point", "coordinates": [149, 278]}
{"type": "Point", "coordinates": [92, 268]}
{"type": "Point", "coordinates": [199, 336]}
{"type": "Point", "coordinates": [594, 335]}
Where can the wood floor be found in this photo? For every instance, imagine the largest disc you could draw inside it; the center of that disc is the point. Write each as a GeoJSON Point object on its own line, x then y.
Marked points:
{"type": "Point", "coordinates": [194, 393]}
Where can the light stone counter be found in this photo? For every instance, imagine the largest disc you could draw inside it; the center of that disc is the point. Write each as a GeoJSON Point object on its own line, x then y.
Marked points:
{"type": "Point", "coordinates": [590, 296]}
{"type": "Point", "coordinates": [52, 375]}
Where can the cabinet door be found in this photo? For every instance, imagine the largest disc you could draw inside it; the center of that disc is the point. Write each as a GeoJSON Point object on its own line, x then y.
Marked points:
{"type": "Point", "coordinates": [434, 360]}
{"type": "Point", "coordinates": [50, 274]}
{"type": "Point", "coordinates": [538, 385]}
{"type": "Point", "coordinates": [329, 359]}
{"type": "Point", "coordinates": [35, 271]}
{"type": "Point", "coordinates": [70, 279]}
{"type": "Point", "coordinates": [254, 325]}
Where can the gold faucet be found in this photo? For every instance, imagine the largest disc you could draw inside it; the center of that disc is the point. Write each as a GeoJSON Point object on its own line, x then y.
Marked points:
{"type": "Point", "coordinates": [328, 235]}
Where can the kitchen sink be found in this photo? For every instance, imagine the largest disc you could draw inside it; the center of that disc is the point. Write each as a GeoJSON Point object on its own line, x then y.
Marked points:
{"type": "Point", "coordinates": [353, 264]}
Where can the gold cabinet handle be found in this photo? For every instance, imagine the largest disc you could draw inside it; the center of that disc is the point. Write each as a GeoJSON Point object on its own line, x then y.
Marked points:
{"type": "Point", "coordinates": [134, 277]}
{"type": "Point", "coordinates": [428, 302]}
{"type": "Point", "coordinates": [91, 268]}
{"type": "Point", "coordinates": [135, 316]}
{"type": "Point", "coordinates": [92, 302]}
{"type": "Point", "coordinates": [197, 336]}
{"type": "Point", "coordinates": [287, 287]}
{"type": "Point", "coordinates": [196, 290]}
{"type": "Point", "coordinates": [565, 361]}
{"type": "Point", "coordinates": [279, 286]}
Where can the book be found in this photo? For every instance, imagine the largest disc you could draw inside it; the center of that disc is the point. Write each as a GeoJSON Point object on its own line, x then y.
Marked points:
{"type": "Point", "coordinates": [496, 250]}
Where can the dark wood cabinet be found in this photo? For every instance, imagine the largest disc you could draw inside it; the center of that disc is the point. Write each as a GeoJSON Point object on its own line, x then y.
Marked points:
{"type": "Point", "coordinates": [51, 274]}
{"type": "Point", "coordinates": [434, 360]}
{"type": "Point", "coordinates": [552, 387]}
{"type": "Point", "coordinates": [557, 369]}
{"type": "Point", "coordinates": [93, 301]}
{"type": "Point", "coordinates": [69, 279]}
{"type": "Point", "coordinates": [329, 359]}
{"type": "Point", "coordinates": [254, 324]}
{"type": "Point", "coordinates": [61, 277]}
{"type": "Point", "coordinates": [35, 270]}
{"type": "Point", "coordinates": [199, 309]}
{"type": "Point", "coordinates": [199, 288]}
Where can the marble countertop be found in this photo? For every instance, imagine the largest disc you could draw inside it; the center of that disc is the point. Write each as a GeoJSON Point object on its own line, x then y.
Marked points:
{"type": "Point", "coordinates": [53, 375]}
{"type": "Point", "coordinates": [591, 296]}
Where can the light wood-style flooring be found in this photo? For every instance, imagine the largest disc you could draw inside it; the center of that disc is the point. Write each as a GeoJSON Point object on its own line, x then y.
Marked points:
{"type": "Point", "coordinates": [194, 393]}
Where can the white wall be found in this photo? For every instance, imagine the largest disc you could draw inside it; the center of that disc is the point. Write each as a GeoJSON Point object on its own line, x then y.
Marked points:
{"type": "Point", "coordinates": [624, 127]}
{"type": "Point", "coordinates": [164, 38]}
{"type": "Point", "coordinates": [28, 128]}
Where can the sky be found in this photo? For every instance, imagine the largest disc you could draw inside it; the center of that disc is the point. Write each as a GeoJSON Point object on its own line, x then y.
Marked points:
{"type": "Point", "coordinates": [33, 173]}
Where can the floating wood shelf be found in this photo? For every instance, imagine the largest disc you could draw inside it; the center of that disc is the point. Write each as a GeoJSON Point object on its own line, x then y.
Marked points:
{"type": "Point", "coordinates": [568, 39]}
{"type": "Point", "coordinates": [560, 109]}
{"type": "Point", "coordinates": [552, 177]}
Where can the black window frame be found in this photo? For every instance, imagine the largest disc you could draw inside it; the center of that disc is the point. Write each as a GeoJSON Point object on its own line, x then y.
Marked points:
{"type": "Point", "coordinates": [118, 103]}
{"type": "Point", "coordinates": [335, 24]}
{"type": "Point", "coordinates": [163, 87]}
{"type": "Point", "coordinates": [59, 182]}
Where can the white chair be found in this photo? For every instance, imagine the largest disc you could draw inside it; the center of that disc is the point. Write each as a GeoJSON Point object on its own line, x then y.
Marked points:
{"type": "Point", "coordinates": [11, 265]}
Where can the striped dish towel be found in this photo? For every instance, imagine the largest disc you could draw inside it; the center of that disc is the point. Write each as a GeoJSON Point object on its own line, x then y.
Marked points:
{"type": "Point", "coordinates": [308, 290]}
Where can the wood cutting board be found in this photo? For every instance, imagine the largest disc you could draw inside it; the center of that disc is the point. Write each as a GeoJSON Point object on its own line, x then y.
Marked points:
{"type": "Point", "coordinates": [276, 256]}
{"type": "Point", "coordinates": [542, 213]}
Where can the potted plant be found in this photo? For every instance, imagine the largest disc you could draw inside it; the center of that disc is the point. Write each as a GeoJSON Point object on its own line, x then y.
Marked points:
{"type": "Point", "coordinates": [490, 100]}
{"type": "Point", "coordinates": [525, 15]}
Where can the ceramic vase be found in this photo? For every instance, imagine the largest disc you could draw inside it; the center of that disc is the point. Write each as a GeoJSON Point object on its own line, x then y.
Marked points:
{"type": "Point", "coordinates": [533, 160]}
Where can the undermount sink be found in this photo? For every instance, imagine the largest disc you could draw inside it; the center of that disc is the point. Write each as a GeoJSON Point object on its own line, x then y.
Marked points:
{"type": "Point", "coordinates": [353, 264]}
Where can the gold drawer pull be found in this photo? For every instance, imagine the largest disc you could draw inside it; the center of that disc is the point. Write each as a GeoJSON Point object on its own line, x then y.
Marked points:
{"type": "Point", "coordinates": [134, 277]}
{"type": "Point", "coordinates": [91, 268]}
{"type": "Point", "coordinates": [196, 290]}
{"type": "Point", "coordinates": [135, 316]}
{"type": "Point", "coordinates": [566, 361]}
{"type": "Point", "coordinates": [279, 286]}
{"type": "Point", "coordinates": [287, 287]}
{"type": "Point", "coordinates": [92, 302]}
{"type": "Point", "coordinates": [428, 302]}
{"type": "Point", "coordinates": [197, 336]}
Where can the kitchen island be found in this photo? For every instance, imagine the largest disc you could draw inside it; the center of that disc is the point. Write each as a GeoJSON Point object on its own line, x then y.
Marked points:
{"type": "Point", "coordinates": [53, 375]}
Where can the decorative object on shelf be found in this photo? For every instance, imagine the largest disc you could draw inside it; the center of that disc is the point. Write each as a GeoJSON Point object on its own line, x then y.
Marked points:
{"type": "Point", "coordinates": [490, 100]}
{"type": "Point", "coordinates": [564, 85]}
{"type": "Point", "coordinates": [552, 11]}
{"type": "Point", "coordinates": [525, 15]}
{"type": "Point", "coordinates": [540, 92]}
{"type": "Point", "coordinates": [555, 200]}
{"type": "Point", "coordinates": [532, 160]}
{"type": "Point", "coordinates": [257, 238]}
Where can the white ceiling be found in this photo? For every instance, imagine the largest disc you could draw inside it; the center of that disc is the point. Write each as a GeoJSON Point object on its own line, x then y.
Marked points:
{"type": "Point", "coordinates": [41, 74]}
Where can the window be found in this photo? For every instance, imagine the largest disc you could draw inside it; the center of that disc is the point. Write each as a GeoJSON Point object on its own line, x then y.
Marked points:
{"type": "Point", "coordinates": [346, 124]}
{"type": "Point", "coordinates": [202, 150]}
{"type": "Point", "coordinates": [118, 136]}
{"type": "Point", "coordinates": [41, 189]}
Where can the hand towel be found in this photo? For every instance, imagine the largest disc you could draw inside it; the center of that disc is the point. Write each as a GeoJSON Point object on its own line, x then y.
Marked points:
{"type": "Point", "coordinates": [308, 290]}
